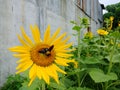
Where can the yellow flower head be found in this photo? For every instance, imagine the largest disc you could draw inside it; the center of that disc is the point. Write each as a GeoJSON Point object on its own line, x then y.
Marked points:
{"type": "Point", "coordinates": [119, 45]}
{"type": "Point", "coordinates": [111, 18]}
{"type": "Point", "coordinates": [119, 24]}
{"type": "Point", "coordinates": [102, 32]}
{"type": "Point", "coordinates": [89, 35]}
{"type": "Point", "coordinates": [42, 57]}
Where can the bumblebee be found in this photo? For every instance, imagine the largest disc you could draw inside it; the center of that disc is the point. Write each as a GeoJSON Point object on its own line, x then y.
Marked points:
{"type": "Point", "coordinates": [47, 51]}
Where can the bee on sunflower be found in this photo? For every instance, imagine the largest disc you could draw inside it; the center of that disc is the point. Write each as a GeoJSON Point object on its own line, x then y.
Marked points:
{"type": "Point", "coordinates": [42, 57]}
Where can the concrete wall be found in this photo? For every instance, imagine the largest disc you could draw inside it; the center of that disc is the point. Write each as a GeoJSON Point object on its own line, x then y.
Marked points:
{"type": "Point", "coordinates": [16, 13]}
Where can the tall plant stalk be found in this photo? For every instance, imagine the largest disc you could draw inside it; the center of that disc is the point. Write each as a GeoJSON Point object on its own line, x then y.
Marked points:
{"type": "Point", "coordinates": [77, 27]}
{"type": "Point", "coordinates": [42, 85]}
{"type": "Point", "coordinates": [78, 56]}
{"type": "Point", "coordinates": [110, 63]}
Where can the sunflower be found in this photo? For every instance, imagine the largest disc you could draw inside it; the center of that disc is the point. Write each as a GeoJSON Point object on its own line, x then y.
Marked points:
{"type": "Point", "coordinates": [42, 57]}
{"type": "Point", "coordinates": [102, 32]}
{"type": "Point", "coordinates": [119, 23]}
{"type": "Point", "coordinates": [88, 34]}
{"type": "Point", "coordinates": [111, 18]}
{"type": "Point", "coordinates": [111, 22]}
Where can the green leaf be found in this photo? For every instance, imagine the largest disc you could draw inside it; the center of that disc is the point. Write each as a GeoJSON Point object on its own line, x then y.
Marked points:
{"type": "Point", "coordinates": [114, 88]}
{"type": "Point", "coordinates": [91, 60]}
{"type": "Point", "coordinates": [68, 82]}
{"type": "Point", "coordinates": [74, 34]}
{"type": "Point", "coordinates": [115, 34]}
{"type": "Point", "coordinates": [13, 82]}
{"type": "Point", "coordinates": [72, 88]}
{"type": "Point", "coordinates": [25, 74]}
{"type": "Point", "coordinates": [79, 88]}
{"type": "Point", "coordinates": [98, 75]}
{"type": "Point", "coordinates": [59, 86]}
{"type": "Point", "coordinates": [76, 71]}
{"type": "Point", "coordinates": [76, 28]}
{"type": "Point", "coordinates": [115, 59]}
{"type": "Point", "coordinates": [83, 88]}
{"type": "Point", "coordinates": [73, 22]}
{"type": "Point", "coordinates": [34, 86]}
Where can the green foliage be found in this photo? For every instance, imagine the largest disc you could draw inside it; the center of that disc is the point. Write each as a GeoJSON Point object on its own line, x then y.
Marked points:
{"type": "Point", "coordinates": [76, 28]}
{"type": "Point", "coordinates": [98, 64]}
{"type": "Point", "coordinates": [14, 82]}
{"type": "Point", "coordinates": [83, 23]}
{"type": "Point", "coordinates": [34, 86]}
{"type": "Point", "coordinates": [79, 88]}
{"type": "Point", "coordinates": [113, 10]}
{"type": "Point", "coordinates": [99, 60]}
{"type": "Point", "coordinates": [107, 15]}
{"type": "Point", "coordinates": [99, 76]}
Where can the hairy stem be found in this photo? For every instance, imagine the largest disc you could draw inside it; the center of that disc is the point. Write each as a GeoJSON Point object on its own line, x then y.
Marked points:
{"type": "Point", "coordinates": [110, 63]}
{"type": "Point", "coordinates": [78, 56]}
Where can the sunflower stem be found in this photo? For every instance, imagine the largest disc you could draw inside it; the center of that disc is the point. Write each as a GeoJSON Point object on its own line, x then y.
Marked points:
{"type": "Point", "coordinates": [110, 63]}
{"type": "Point", "coordinates": [79, 45]}
{"type": "Point", "coordinates": [43, 86]}
{"type": "Point", "coordinates": [78, 76]}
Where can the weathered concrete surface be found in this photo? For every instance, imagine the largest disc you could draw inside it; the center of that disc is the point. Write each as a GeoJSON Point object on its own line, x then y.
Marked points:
{"type": "Point", "coordinates": [16, 13]}
{"type": "Point", "coordinates": [13, 14]}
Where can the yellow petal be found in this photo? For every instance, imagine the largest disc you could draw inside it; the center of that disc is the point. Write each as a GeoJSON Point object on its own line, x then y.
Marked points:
{"type": "Point", "coordinates": [35, 33]}
{"type": "Point", "coordinates": [33, 71]}
{"type": "Point", "coordinates": [64, 62]}
{"type": "Point", "coordinates": [54, 35]}
{"type": "Point", "coordinates": [75, 64]}
{"type": "Point", "coordinates": [25, 67]}
{"type": "Point", "coordinates": [63, 55]}
{"type": "Point", "coordinates": [61, 62]}
{"type": "Point", "coordinates": [31, 80]}
{"type": "Point", "coordinates": [47, 35]}
{"type": "Point", "coordinates": [18, 48]}
{"type": "Point", "coordinates": [64, 51]}
{"type": "Point", "coordinates": [25, 59]}
{"type": "Point", "coordinates": [21, 55]}
{"type": "Point", "coordinates": [23, 42]}
{"type": "Point", "coordinates": [51, 71]}
{"type": "Point", "coordinates": [22, 65]}
{"type": "Point", "coordinates": [58, 39]}
{"type": "Point", "coordinates": [64, 46]}
{"type": "Point", "coordinates": [58, 69]}
{"type": "Point", "coordinates": [44, 75]}
{"type": "Point", "coordinates": [26, 38]}
{"type": "Point", "coordinates": [39, 72]}
{"type": "Point", "coordinates": [66, 40]}
{"type": "Point", "coordinates": [63, 42]}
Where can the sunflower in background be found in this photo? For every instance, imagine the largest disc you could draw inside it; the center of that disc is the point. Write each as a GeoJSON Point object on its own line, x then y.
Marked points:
{"type": "Point", "coordinates": [111, 18]}
{"type": "Point", "coordinates": [42, 57]}
{"type": "Point", "coordinates": [102, 32]}
{"type": "Point", "coordinates": [88, 34]}
{"type": "Point", "coordinates": [119, 24]}
{"type": "Point", "coordinates": [111, 22]}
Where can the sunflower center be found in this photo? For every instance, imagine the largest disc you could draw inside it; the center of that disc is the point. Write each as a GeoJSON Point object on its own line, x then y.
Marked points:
{"type": "Point", "coordinates": [43, 54]}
